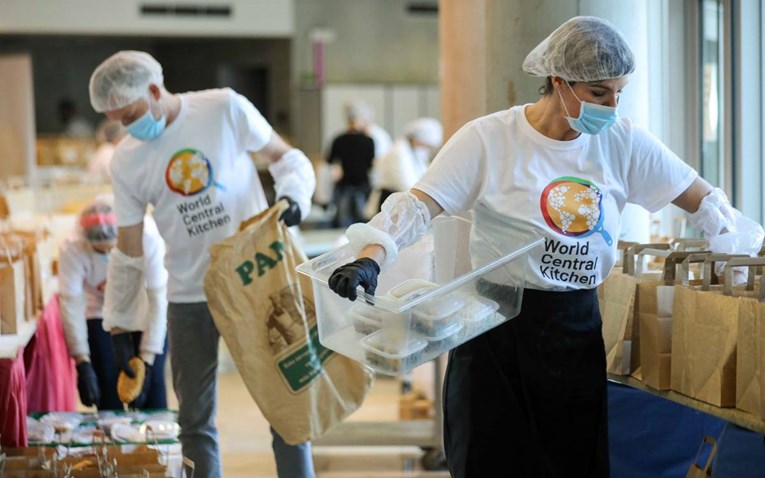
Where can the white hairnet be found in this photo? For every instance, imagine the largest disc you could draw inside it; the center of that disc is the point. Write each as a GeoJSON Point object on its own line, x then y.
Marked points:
{"type": "Point", "coordinates": [97, 222]}
{"type": "Point", "coordinates": [122, 79]}
{"type": "Point", "coordinates": [582, 49]}
{"type": "Point", "coordinates": [358, 110]}
{"type": "Point", "coordinates": [425, 130]}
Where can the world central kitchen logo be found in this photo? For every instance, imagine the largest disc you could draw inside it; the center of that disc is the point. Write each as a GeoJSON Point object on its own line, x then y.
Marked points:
{"type": "Point", "coordinates": [189, 173]}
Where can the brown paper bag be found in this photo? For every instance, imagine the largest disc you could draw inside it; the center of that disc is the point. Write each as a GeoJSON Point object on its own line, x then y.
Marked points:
{"type": "Point", "coordinates": [12, 290]}
{"type": "Point", "coordinates": [750, 351]}
{"type": "Point", "coordinates": [704, 335]}
{"type": "Point", "coordinates": [655, 319]}
{"type": "Point", "coordinates": [618, 297]}
{"type": "Point", "coordinates": [32, 267]}
{"type": "Point", "coordinates": [263, 309]}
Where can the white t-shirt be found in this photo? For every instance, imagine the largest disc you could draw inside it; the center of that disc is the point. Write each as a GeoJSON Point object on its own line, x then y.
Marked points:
{"type": "Point", "coordinates": [382, 139]}
{"type": "Point", "coordinates": [199, 178]}
{"type": "Point", "coordinates": [400, 168]}
{"type": "Point", "coordinates": [83, 269]}
{"type": "Point", "coordinates": [571, 193]}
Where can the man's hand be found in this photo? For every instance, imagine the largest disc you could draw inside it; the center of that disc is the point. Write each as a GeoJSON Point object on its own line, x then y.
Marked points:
{"type": "Point", "coordinates": [291, 216]}
{"type": "Point", "coordinates": [122, 343]}
{"type": "Point", "coordinates": [87, 384]}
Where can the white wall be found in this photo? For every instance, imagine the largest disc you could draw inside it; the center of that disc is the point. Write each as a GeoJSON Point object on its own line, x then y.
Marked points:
{"type": "Point", "coordinates": [250, 18]}
{"type": "Point", "coordinates": [395, 105]}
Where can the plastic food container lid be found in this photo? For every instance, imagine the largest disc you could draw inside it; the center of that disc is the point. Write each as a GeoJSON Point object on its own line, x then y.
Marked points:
{"type": "Point", "coordinates": [441, 307]}
{"type": "Point", "coordinates": [375, 342]}
{"type": "Point", "coordinates": [411, 286]}
{"type": "Point", "coordinates": [446, 332]}
{"type": "Point", "coordinates": [477, 308]}
{"type": "Point", "coordinates": [369, 314]}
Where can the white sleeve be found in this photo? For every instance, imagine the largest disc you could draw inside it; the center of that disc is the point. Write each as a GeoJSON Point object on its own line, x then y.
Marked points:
{"type": "Point", "coordinates": [72, 299]}
{"type": "Point", "coordinates": [75, 324]}
{"type": "Point", "coordinates": [253, 130]}
{"type": "Point", "coordinates": [294, 177]}
{"type": "Point", "coordinates": [125, 302]}
{"type": "Point", "coordinates": [153, 338]}
{"type": "Point", "coordinates": [402, 220]}
{"type": "Point", "coordinates": [128, 207]}
{"type": "Point", "coordinates": [71, 268]}
{"type": "Point", "coordinates": [456, 176]}
{"type": "Point", "coordinates": [154, 255]}
{"type": "Point", "coordinates": [656, 176]}
{"type": "Point", "coordinates": [155, 330]}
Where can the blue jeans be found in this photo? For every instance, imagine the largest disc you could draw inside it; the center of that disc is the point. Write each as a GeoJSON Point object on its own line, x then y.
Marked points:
{"type": "Point", "coordinates": [194, 363]}
{"type": "Point", "coordinates": [350, 202]}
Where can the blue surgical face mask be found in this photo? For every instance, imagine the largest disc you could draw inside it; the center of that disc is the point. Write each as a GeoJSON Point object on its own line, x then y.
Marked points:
{"type": "Point", "coordinates": [147, 128]}
{"type": "Point", "coordinates": [593, 118]}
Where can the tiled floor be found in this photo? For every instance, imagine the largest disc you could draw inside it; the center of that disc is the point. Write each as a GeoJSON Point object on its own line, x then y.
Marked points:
{"type": "Point", "coordinates": [246, 441]}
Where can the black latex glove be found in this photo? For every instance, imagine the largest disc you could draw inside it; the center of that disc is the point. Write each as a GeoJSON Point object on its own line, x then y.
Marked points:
{"type": "Point", "coordinates": [123, 352]}
{"type": "Point", "coordinates": [140, 400]}
{"type": "Point", "coordinates": [87, 384]}
{"type": "Point", "coordinates": [361, 272]}
{"type": "Point", "coordinates": [291, 216]}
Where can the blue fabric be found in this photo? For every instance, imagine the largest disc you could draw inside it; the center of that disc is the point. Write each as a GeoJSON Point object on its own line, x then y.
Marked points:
{"type": "Point", "coordinates": [652, 436]}
{"type": "Point", "coordinates": [740, 454]}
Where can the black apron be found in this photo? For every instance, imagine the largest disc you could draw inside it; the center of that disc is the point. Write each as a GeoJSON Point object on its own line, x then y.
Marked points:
{"type": "Point", "coordinates": [528, 398]}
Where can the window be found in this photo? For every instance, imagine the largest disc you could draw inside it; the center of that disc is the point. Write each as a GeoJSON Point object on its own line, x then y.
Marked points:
{"type": "Point", "coordinates": [712, 101]}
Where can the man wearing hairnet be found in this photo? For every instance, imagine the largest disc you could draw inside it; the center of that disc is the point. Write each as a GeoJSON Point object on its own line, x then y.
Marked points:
{"type": "Point", "coordinates": [83, 261]}
{"type": "Point", "coordinates": [528, 397]}
{"type": "Point", "coordinates": [188, 156]}
{"type": "Point", "coordinates": [355, 151]}
{"type": "Point", "coordinates": [409, 158]}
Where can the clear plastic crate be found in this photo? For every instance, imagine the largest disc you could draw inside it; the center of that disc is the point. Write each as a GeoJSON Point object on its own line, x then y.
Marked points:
{"type": "Point", "coordinates": [432, 299]}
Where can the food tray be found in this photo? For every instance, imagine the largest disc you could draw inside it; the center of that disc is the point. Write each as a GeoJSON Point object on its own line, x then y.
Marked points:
{"type": "Point", "coordinates": [436, 293]}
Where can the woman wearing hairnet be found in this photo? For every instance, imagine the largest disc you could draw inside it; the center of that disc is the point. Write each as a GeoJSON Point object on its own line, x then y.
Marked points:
{"type": "Point", "coordinates": [83, 262]}
{"type": "Point", "coordinates": [529, 396]}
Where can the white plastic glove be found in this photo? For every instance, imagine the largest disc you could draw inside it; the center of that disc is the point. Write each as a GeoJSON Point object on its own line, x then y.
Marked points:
{"type": "Point", "coordinates": [153, 338]}
{"type": "Point", "coordinates": [403, 219]}
{"type": "Point", "coordinates": [727, 230]}
{"type": "Point", "coordinates": [125, 303]}
{"type": "Point", "coordinates": [294, 178]}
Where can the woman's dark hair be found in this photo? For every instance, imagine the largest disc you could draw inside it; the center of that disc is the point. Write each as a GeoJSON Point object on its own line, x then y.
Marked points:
{"type": "Point", "coordinates": [547, 88]}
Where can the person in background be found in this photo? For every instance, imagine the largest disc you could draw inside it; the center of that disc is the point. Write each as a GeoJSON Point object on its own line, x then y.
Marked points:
{"type": "Point", "coordinates": [72, 124]}
{"type": "Point", "coordinates": [529, 396]}
{"type": "Point", "coordinates": [188, 155]}
{"type": "Point", "coordinates": [108, 135]}
{"type": "Point", "coordinates": [355, 151]}
{"type": "Point", "coordinates": [83, 262]}
{"type": "Point", "coordinates": [407, 161]}
{"type": "Point", "coordinates": [364, 116]}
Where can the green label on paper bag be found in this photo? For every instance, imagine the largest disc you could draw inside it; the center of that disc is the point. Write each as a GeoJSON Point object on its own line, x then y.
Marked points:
{"type": "Point", "coordinates": [300, 367]}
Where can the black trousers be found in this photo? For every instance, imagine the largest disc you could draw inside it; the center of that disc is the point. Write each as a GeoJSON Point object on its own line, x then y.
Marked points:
{"type": "Point", "coordinates": [528, 398]}
{"type": "Point", "coordinates": [102, 358]}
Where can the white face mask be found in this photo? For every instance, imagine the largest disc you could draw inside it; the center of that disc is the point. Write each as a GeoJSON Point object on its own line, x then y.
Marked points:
{"type": "Point", "coordinates": [593, 118]}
